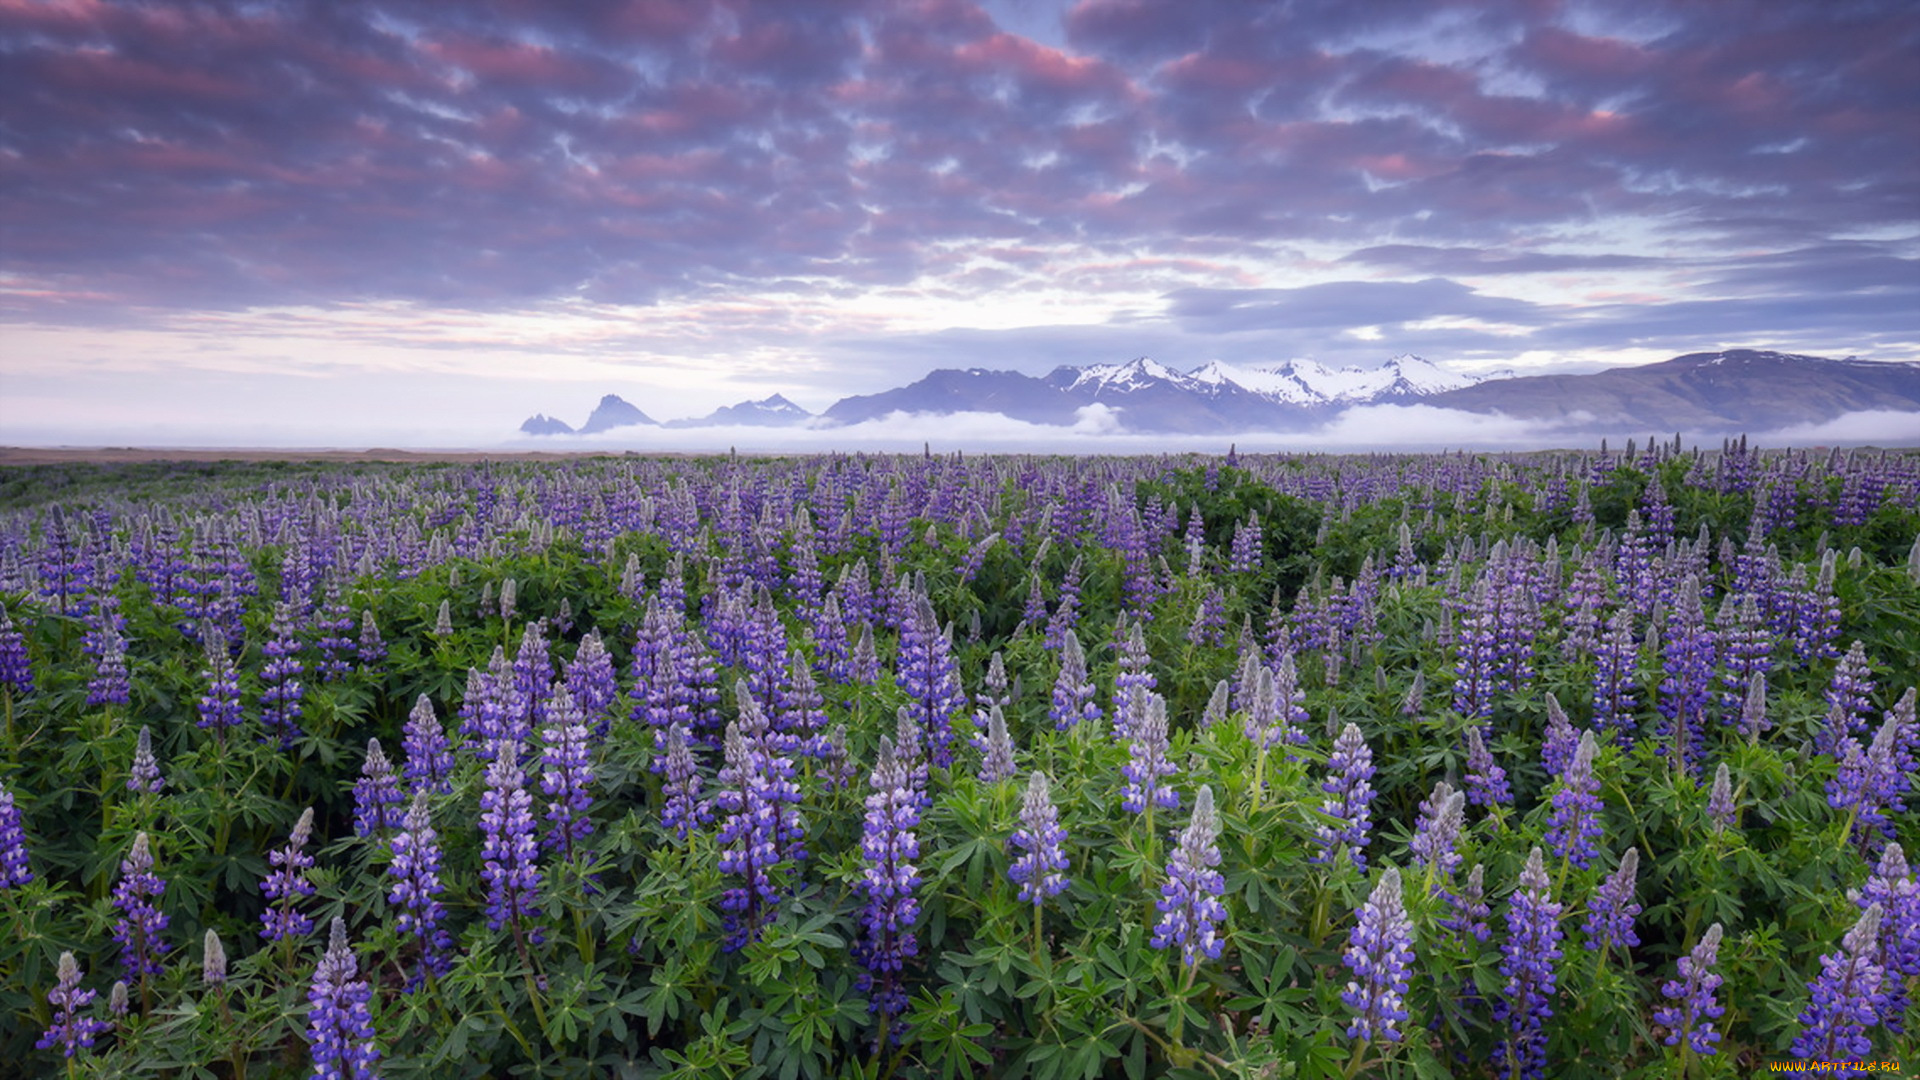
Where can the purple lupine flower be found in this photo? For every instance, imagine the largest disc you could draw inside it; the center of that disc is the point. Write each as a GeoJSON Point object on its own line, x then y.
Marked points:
{"type": "Point", "coordinates": [684, 809]}
{"type": "Point", "coordinates": [1469, 907]}
{"type": "Point", "coordinates": [1072, 691]}
{"type": "Point", "coordinates": [995, 689]}
{"type": "Point", "coordinates": [1847, 996]}
{"type": "Point", "coordinates": [219, 707]}
{"type": "Point", "coordinates": [280, 678]}
{"type": "Point", "coordinates": [1486, 780]}
{"type": "Point", "coordinates": [1615, 675]}
{"type": "Point", "coordinates": [144, 774]}
{"type": "Point", "coordinates": [1147, 765]}
{"type": "Point", "coordinates": [1244, 551]}
{"type": "Point", "coordinates": [1209, 626]}
{"type": "Point", "coordinates": [1611, 912]}
{"type": "Point", "coordinates": [429, 764]}
{"type": "Point", "coordinates": [836, 765]}
{"type": "Point", "coordinates": [590, 678]}
{"type": "Point", "coordinates": [109, 683]}
{"type": "Point", "coordinates": [1067, 612]}
{"type": "Point", "coordinates": [1892, 887]}
{"type": "Point", "coordinates": [73, 1028]}
{"type": "Point", "coordinates": [1189, 903]}
{"type": "Point", "coordinates": [1379, 951]}
{"type": "Point", "coordinates": [1349, 798]}
{"type": "Point", "coordinates": [928, 675]}
{"type": "Point", "coordinates": [1575, 823]}
{"type": "Point", "coordinates": [1691, 1019]}
{"type": "Point", "coordinates": [14, 870]}
{"type": "Point", "coordinates": [889, 847]}
{"type": "Point", "coordinates": [1135, 670]}
{"type": "Point", "coordinates": [864, 668]}
{"type": "Point", "coordinates": [1477, 647]}
{"type": "Point", "coordinates": [1848, 697]}
{"type": "Point", "coordinates": [287, 883]}
{"type": "Point", "coordinates": [16, 669]}
{"type": "Point", "coordinates": [1276, 710]}
{"type": "Point", "coordinates": [996, 764]}
{"type": "Point", "coordinates": [763, 829]}
{"type": "Point", "coordinates": [748, 847]}
{"type": "Point", "coordinates": [1527, 957]}
{"type": "Point", "coordinates": [800, 711]}
{"type": "Point", "coordinates": [1688, 650]}
{"type": "Point", "coordinates": [1720, 805]}
{"type": "Point", "coordinates": [376, 795]}
{"type": "Point", "coordinates": [141, 922]}
{"type": "Point", "coordinates": [508, 850]}
{"type": "Point", "coordinates": [1040, 868]}
{"type": "Point", "coordinates": [1556, 750]}
{"type": "Point", "coordinates": [567, 772]}
{"type": "Point", "coordinates": [1436, 832]}
{"type": "Point", "coordinates": [340, 1024]}
{"type": "Point", "coordinates": [416, 887]}
{"type": "Point", "coordinates": [1747, 644]}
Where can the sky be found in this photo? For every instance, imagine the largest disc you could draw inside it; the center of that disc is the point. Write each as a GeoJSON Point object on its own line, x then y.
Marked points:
{"type": "Point", "coordinates": [354, 223]}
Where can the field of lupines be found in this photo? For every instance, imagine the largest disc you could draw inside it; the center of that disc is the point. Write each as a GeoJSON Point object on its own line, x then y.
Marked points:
{"type": "Point", "coordinates": [1559, 765]}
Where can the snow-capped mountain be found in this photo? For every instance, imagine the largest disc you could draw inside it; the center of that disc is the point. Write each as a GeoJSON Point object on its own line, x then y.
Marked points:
{"type": "Point", "coordinates": [1730, 391]}
{"type": "Point", "coordinates": [774, 411]}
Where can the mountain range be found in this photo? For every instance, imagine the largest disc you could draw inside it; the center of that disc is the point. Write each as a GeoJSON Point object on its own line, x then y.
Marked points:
{"type": "Point", "coordinates": [1730, 391]}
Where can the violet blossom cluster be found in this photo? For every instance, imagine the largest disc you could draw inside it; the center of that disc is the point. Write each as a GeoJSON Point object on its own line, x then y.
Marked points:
{"type": "Point", "coordinates": [415, 871]}
{"type": "Point", "coordinates": [1040, 867]}
{"type": "Point", "coordinates": [287, 883]}
{"type": "Point", "coordinates": [1527, 961]}
{"type": "Point", "coordinates": [1379, 954]}
{"type": "Point", "coordinates": [1349, 797]}
{"type": "Point", "coordinates": [141, 921]}
{"type": "Point", "coordinates": [340, 1022]}
{"type": "Point", "coordinates": [1189, 904]}
{"type": "Point", "coordinates": [1692, 1007]}
{"type": "Point", "coordinates": [1147, 764]}
{"type": "Point", "coordinates": [1575, 823]}
{"type": "Point", "coordinates": [889, 847]}
{"type": "Point", "coordinates": [1611, 912]}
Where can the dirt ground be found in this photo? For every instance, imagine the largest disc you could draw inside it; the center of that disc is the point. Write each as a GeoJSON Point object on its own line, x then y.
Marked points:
{"type": "Point", "coordinates": [123, 455]}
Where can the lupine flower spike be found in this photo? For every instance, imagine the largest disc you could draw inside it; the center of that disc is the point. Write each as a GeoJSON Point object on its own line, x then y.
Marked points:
{"type": "Point", "coordinates": [1611, 913]}
{"type": "Point", "coordinates": [1040, 867]}
{"type": "Point", "coordinates": [1532, 946]}
{"type": "Point", "coordinates": [14, 870]}
{"type": "Point", "coordinates": [73, 1028]}
{"type": "Point", "coordinates": [287, 883]}
{"type": "Point", "coordinates": [145, 773]}
{"type": "Point", "coordinates": [141, 922]}
{"type": "Point", "coordinates": [1847, 995]}
{"type": "Point", "coordinates": [340, 1024]}
{"type": "Point", "coordinates": [890, 847]}
{"type": "Point", "coordinates": [1693, 1010]}
{"type": "Point", "coordinates": [1190, 907]}
{"type": "Point", "coordinates": [1379, 950]}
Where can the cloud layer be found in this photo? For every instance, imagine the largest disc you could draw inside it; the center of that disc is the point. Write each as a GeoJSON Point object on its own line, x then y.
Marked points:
{"type": "Point", "coordinates": [840, 193]}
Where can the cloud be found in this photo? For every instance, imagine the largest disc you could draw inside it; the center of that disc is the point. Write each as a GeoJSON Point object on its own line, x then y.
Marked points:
{"type": "Point", "coordinates": [1881, 427]}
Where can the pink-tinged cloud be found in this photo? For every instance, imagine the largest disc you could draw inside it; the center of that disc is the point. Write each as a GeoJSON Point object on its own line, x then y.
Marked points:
{"type": "Point", "coordinates": [509, 152]}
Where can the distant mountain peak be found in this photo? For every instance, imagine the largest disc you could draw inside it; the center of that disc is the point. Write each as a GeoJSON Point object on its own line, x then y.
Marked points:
{"type": "Point", "coordinates": [614, 411]}
{"type": "Point", "coordinates": [542, 424]}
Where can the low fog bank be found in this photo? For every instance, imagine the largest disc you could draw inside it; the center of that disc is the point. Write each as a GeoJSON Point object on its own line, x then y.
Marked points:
{"type": "Point", "coordinates": [1100, 430]}
{"type": "Point", "coordinates": [1097, 429]}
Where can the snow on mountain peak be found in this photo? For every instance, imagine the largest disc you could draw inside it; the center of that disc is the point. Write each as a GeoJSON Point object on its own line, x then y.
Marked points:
{"type": "Point", "coordinates": [1135, 374]}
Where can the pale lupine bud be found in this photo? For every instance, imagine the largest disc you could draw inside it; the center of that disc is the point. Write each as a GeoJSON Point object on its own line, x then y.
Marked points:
{"type": "Point", "coordinates": [997, 763]}
{"type": "Point", "coordinates": [213, 965]}
{"type": "Point", "coordinates": [509, 597]}
{"type": "Point", "coordinates": [443, 622]}
{"type": "Point", "coordinates": [145, 773]}
{"type": "Point", "coordinates": [1720, 806]}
